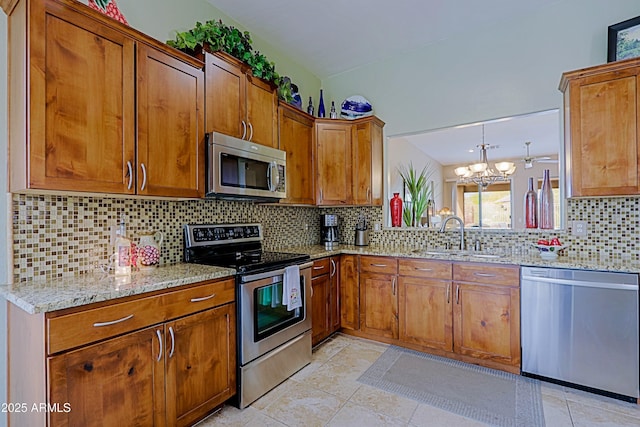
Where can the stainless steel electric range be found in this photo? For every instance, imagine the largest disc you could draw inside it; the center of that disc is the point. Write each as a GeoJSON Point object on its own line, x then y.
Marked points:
{"type": "Point", "coordinates": [273, 342]}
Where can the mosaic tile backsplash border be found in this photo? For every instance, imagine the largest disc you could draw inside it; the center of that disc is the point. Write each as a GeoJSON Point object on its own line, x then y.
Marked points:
{"type": "Point", "coordinates": [56, 236]}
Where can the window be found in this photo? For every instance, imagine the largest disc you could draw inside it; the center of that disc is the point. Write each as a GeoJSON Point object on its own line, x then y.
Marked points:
{"type": "Point", "coordinates": [492, 205]}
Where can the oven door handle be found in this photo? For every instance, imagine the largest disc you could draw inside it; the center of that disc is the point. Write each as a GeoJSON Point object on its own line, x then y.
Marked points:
{"type": "Point", "coordinates": [266, 274]}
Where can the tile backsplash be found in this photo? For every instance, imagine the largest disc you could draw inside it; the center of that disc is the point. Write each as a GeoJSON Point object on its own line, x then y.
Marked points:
{"type": "Point", "coordinates": [65, 235]}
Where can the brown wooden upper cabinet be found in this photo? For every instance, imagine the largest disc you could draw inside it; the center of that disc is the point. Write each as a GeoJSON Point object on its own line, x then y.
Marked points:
{"type": "Point", "coordinates": [78, 91]}
{"type": "Point", "coordinates": [349, 162]}
{"type": "Point", "coordinates": [237, 103]}
{"type": "Point", "coordinates": [296, 138]}
{"type": "Point", "coordinates": [602, 112]}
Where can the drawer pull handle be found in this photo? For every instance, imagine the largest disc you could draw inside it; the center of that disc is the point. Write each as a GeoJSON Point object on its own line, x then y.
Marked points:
{"type": "Point", "coordinates": [113, 322]}
{"type": "Point", "coordinates": [319, 268]}
{"type": "Point", "coordinates": [202, 298]}
{"type": "Point", "coordinates": [378, 265]}
{"type": "Point", "coordinates": [484, 275]}
{"type": "Point", "coordinates": [424, 269]}
{"type": "Point", "coordinates": [173, 342]}
{"type": "Point", "coordinates": [159, 342]}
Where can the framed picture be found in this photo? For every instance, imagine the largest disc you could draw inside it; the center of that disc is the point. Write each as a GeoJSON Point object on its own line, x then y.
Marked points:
{"type": "Point", "coordinates": [624, 40]}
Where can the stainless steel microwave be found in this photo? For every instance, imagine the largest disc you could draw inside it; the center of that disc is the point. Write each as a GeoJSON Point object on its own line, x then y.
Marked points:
{"type": "Point", "coordinates": [241, 170]}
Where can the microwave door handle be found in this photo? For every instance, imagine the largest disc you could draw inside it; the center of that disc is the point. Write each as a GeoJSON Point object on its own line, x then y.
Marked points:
{"type": "Point", "coordinates": [271, 176]}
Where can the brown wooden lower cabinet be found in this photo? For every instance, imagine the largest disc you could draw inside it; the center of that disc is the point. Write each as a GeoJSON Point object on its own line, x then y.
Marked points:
{"type": "Point", "coordinates": [349, 293]}
{"type": "Point", "coordinates": [468, 311]}
{"type": "Point", "coordinates": [171, 373]}
{"type": "Point", "coordinates": [325, 308]}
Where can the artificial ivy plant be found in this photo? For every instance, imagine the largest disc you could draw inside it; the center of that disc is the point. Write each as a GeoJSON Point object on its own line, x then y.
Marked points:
{"type": "Point", "coordinates": [221, 37]}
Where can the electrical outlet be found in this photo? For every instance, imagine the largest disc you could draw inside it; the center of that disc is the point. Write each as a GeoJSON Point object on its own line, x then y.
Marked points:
{"type": "Point", "coordinates": [579, 228]}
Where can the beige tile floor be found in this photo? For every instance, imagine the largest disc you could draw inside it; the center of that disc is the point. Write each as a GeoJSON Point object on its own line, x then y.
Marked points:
{"type": "Point", "coordinates": [326, 393]}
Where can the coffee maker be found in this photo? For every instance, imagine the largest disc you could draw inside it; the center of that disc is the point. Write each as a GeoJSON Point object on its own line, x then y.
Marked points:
{"type": "Point", "coordinates": [329, 231]}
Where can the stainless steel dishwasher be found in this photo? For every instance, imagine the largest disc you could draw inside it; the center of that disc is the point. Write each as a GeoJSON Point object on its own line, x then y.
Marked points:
{"type": "Point", "coordinates": [580, 328]}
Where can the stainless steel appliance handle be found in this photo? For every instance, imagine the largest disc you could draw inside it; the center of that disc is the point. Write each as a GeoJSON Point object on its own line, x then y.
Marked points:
{"type": "Point", "coordinates": [266, 274]}
{"type": "Point", "coordinates": [619, 286]}
{"type": "Point", "coordinates": [271, 176]}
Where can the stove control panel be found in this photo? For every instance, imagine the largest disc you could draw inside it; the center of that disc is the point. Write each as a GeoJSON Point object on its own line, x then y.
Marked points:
{"type": "Point", "coordinates": [214, 234]}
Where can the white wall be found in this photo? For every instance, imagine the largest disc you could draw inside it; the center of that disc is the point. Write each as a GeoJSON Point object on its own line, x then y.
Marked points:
{"type": "Point", "coordinates": [5, 241]}
{"type": "Point", "coordinates": [507, 69]}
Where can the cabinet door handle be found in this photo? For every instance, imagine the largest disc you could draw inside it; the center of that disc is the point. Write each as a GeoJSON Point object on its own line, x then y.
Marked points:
{"type": "Point", "coordinates": [378, 265]}
{"type": "Point", "coordinates": [321, 194]}
{"type": "Point", "coordinates": [144, 176]}
{"type": "Point", "coordinates": [173, 342]}
{"type": "Point", "coordinates": [393, 286]}
{"type": "Point", "coordinates": [333, 268]}
{"type": "Point", "coordinates": [457, 294]}
{"type": "Point", "coordinates": [202, 298]}
{"type": "Point", "coordinates": [159, 342]}
{"type": "Point", "coordinates": [484, 275]}
{"type": "Point", "coordinates": [130, 173]}
{"type": "Point", "coordinates": [423, 269]}
{"type": "Point", "coordinates": [244, 129]}
{"type": "Point", "coordinates": [448, 292]}
{"type": "Point", "coordinates": [251, 130]}
{"type": "Point", "coordinates": [112, 322]}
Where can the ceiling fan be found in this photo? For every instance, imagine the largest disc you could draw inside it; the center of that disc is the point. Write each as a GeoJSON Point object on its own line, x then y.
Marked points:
{"type": "Point", "coordinates": [528, 160]}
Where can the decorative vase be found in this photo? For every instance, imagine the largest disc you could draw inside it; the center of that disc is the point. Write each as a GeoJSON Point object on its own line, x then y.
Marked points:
{"type": "Point", "coordinates": [109, 8]}
{"type": "Point", "coordinates": [310, 106]}
{"type": "Point", "coordinates": [396, 210]}
{"type": "Point", "coordinates": [546, 202]}
{"type": "Point", "coordinates": [531, 206]}
{"type": "Point", "coordinates": [149, 249]}
{"type": "Point", "coordinates": [321, 105]}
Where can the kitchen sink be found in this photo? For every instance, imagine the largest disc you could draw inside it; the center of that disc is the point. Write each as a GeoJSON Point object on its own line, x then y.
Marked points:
{"type": "Point", "coordinates": [455, 252]}
{"type": "Point", "coordinates": [486, 256]}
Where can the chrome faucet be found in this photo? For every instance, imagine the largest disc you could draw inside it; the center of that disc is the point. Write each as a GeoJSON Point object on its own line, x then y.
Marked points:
{"type": "Point", "coordinates": [443, 227]}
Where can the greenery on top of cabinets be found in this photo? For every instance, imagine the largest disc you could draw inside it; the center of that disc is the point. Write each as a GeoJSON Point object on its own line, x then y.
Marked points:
{"type": "Point", "coordinates": [221, 37]}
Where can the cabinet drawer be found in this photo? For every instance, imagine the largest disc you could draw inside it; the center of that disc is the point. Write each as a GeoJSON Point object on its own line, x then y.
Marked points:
{"type": "Point", "coordinates": [425, 268]}
{"type": "Point", "coordinates": [207, 295]}
{"type": "Point", "coordinates": [95, 324]}
{"type": "Point", "coordinates": [378, 264]}
{"type": "Point", "coordinates": [320, 267]}
{"type": "Point", "coordinates": [90, 325]}
{"type": "Point", "coordinates": [490, 274]}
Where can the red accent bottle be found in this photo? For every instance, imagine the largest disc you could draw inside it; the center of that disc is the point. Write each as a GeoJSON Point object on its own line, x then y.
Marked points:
{"type": "Point", "coordinates": [531, 206]}
{"type": "Point", "coordinates": [546, 202]}
{"type": "Point", "coordinates": [396, 210]}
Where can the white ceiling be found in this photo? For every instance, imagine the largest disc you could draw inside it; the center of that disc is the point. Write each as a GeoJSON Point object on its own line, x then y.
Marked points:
{"type": "Point", "coordinates": [332, 36]}
{"type": "Point", "coordinates": [507, 138]}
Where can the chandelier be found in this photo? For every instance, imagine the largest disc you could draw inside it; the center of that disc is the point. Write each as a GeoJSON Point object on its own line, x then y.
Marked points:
{"type": "Point", "coordinates": [480, 173]}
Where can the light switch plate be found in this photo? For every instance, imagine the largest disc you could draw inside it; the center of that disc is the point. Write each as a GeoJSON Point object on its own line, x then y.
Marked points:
{"type": "Point", "coordinates": [579, 228]}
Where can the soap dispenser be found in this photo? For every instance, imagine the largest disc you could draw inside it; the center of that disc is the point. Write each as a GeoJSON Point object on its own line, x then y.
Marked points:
{"type": "Point", "coordinates": [123, 250]}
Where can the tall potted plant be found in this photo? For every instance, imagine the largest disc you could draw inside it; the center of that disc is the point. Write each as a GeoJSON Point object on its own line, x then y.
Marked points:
{"type": "Point", "coordinates": [419, 190]}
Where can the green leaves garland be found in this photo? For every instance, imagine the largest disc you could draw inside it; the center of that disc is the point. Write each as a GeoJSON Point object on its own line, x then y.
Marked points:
{"type": "Point", "coordinates": [225, 38]}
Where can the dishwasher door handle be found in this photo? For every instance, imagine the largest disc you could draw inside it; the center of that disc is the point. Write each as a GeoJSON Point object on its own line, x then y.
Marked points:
{"type": "Point", "coordinates": [618, 286]}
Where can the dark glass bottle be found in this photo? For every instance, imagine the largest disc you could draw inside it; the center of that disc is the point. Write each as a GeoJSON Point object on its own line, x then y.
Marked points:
{"type": "Point", "coordinates": [531, 206]}
{"type": "Point", "coordinates": [310, 106]}
{"type": "Point", "coordinates": [321, 112]}
{"type": "Point", "coordinates": [546, 202]}
{"type": "Point", "coordinates": [332, 113]}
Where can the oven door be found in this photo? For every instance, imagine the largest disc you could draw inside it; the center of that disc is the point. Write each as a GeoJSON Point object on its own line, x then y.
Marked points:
{"type": "Point", "coordinates": [265, 323]}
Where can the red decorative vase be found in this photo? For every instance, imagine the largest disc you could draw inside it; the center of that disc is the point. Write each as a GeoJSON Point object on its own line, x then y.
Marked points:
{"type": "Point", "coordinates": [531, 206]}
{"type": "Point", "coordinates": [396, 210]}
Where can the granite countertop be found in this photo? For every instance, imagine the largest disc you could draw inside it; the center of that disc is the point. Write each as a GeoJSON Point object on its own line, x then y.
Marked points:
{"type": "Point", "coordinates": [43, 296]}
{"type": "Point", "coordinates": [625, 266]}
